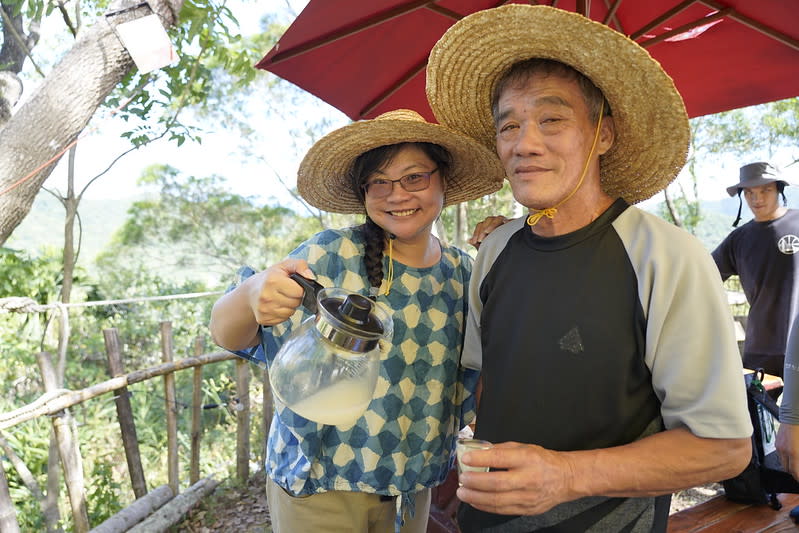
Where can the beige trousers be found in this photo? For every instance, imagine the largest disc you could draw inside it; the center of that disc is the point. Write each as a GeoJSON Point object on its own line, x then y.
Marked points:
{"type": "Point", "coordinates": [341, 512]}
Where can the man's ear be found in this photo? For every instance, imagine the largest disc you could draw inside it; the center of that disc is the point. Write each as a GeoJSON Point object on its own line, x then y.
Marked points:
{"type": "Point", "coordinates": [607, 135]}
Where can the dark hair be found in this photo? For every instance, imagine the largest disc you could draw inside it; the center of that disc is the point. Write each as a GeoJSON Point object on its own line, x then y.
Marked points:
{"type": "Point", "coordinates": [367, 164]}
{"type": "Point", "coordinates": [781, 192]}
{"type": "Point", "coordinates": [521, 72]}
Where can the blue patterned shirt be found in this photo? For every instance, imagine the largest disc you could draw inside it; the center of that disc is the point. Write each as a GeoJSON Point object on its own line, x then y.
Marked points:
{"type": "Point", "coordinates": [404, 441]}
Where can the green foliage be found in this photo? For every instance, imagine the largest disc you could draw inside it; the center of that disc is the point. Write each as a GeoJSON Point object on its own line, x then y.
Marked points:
{"type": "Point", "coordinates": [744, 131]}
{"type": "Point", "coordinates": [24, 334]}
{"type": "Point", "coordinates": [687, 211]}
{"type": "Point", "coordinates": [103, 495]}
{"type": "Point", "coordinates": [38, 278]}
{"type": "Point", "coordinates": [499, 203]}
{"type": "Point", "coordinates": [196, 229]}
{"type": "Point", "coordinates": [31, 442]}
{"type": "Point", "coordinates": [213, 59]}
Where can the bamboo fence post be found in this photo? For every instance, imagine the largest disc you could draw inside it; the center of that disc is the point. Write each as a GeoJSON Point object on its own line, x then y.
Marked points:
{"type": "Point", "coordinates": [53, 514]}
{"type": "Point", "coordinates": [63, 424]}
{"type": "Point", "coordinates": [243, 420]}
{"type": "Point", "coordinates": [170, 398]}
{"type": "Point", "coordinates": [196, 414]}
{"type": "Point", "coordinates": [127, 425]}
{"type": "Point", "coordinates": [8, 517]}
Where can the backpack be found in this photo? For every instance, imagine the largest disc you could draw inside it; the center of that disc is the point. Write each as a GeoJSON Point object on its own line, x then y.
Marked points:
{"type": "Point", "coordinates": [765, 477]}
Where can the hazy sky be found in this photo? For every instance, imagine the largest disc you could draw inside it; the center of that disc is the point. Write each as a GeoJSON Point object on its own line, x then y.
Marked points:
{"type": "Point", "coordinates": [219, 151]}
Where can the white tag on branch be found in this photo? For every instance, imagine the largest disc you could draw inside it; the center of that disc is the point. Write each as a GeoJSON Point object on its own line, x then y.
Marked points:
{"type": "Point", "coordinates": [147, 42]}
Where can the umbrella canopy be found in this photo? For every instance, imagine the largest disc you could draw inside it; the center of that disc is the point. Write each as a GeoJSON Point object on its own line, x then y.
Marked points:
{"type": "Point", "coordinates": [366, 58]}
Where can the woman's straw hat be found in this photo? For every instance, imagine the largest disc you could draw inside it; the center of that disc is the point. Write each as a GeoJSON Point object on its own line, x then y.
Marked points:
{"type": "Point", "coordinates": [323, 179]}
{"type": "Point", "coordinates": [652, 131]}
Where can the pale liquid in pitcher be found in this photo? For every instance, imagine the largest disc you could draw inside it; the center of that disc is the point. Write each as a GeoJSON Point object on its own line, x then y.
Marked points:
{"type": "Point", "coordinates": [340, 404]}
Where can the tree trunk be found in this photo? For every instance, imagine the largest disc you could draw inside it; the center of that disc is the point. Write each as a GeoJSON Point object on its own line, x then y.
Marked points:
{"type": "Point", "coordinates": [17, 43]}
{"type": "Point", "coordinates": [53, 486]}
{"type": "Point", "coordinates": [675, 216]}
{"type": "Point", "coordinates": [461, 226]}
{"type": "Point", "coordinates": [16, 47]}
{"type": "Point", "coordinates": [35, 137]}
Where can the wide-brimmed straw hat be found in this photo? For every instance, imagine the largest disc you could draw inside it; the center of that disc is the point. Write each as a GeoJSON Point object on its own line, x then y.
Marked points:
{"type": "Point", "coordinates": [755, 175]}
{"type": "Point", "coordinates": [652, 131]}
{"type": "Point", "coordinates": [324, 179]}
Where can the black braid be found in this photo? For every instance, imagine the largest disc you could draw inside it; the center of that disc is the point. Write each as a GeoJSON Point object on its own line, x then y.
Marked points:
{"type": "Point", "coordinates": [375, 239]}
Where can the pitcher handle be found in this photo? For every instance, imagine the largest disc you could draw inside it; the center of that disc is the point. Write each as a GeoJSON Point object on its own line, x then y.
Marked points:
{"type": "Point", "coordinates": [311, 288]}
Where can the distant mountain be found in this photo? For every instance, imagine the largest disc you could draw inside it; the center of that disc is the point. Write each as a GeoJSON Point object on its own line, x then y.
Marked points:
{"type": "Point", "coordinates": [44, 226]}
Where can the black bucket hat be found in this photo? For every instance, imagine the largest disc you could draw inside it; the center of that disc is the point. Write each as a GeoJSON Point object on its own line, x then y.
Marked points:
{"type": "Point", "coordinates": [755, 175]}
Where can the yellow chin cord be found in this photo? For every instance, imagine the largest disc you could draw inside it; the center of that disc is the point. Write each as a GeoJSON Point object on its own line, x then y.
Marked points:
{"type": "Point", "coordinates": [549, 212]}
{"type": "Point", "coordinates": [390, 277]}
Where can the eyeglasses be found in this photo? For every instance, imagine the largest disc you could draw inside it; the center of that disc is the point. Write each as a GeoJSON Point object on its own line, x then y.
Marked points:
{"type": "Point", "coordinates": [380, 188]}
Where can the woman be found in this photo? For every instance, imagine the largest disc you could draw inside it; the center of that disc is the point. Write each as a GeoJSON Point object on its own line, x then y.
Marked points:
{"type": "Point", "coordinates": [401, 171]}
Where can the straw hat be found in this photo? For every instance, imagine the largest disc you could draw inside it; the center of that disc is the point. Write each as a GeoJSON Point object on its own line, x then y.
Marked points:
{"type": "Point", "coordinates": [652, 131]}
{"type": "Point", "coordinates": [323, 179]}
{"type": "Point", "coordinates": [754, 175]}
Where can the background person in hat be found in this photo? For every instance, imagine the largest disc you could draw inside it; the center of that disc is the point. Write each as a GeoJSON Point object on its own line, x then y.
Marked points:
{"type": "Point", "coordinates": [610, 374]}
{"type": "Point", "coordinates": [400, 171]}
{"type": "Point", "coordinates": [762, 253]}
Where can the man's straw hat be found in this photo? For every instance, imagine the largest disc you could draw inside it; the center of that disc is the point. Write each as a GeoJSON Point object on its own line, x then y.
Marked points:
{"type": "Point", "coordinates": [652, 131]}
{"type": "Point", "coordinates": [323, 179]}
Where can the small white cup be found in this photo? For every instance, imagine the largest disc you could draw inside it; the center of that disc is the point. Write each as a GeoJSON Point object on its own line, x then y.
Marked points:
{"type": "Point", "coordinates": [464, 445]}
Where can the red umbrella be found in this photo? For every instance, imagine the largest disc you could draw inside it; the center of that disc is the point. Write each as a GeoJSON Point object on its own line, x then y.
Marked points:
{"type": "Point", "coordinates": [369, 57]}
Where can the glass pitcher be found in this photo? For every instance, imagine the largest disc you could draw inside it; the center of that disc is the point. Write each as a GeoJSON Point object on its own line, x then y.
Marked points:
{"type": "Point", "coordinates": [327, 369]}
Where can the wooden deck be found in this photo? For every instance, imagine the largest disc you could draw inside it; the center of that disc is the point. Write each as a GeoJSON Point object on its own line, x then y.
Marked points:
{"type": "Point", "coordinates": [720, 515]}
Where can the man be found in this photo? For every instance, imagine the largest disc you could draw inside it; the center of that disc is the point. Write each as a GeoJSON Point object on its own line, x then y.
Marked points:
{"type": "Point", "coordinates": [609, 363]}
{"type": "Point", "coordinates": [762, 253]}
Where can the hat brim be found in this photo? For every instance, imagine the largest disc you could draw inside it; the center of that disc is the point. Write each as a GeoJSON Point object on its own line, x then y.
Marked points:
{"type": "Point", "coordinates": [754, 182]}
{"type": "Point", "coordinates": [323, 178]}
{"type": "Point", "coordinates": [652, 129]}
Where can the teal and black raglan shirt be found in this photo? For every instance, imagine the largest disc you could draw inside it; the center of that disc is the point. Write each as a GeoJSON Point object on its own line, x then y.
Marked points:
{"type": "Point", "coordinates": [596, 339]}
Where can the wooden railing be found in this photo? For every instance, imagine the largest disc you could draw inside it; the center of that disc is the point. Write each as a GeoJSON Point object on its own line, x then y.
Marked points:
{"type": "Point", "coordinates": [55, 403]}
